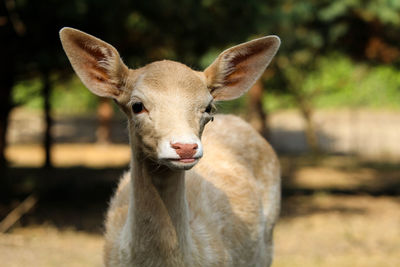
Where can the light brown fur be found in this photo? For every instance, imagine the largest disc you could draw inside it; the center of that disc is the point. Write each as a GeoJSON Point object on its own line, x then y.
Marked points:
{"type": "Point", "coordinates": [222, 211]}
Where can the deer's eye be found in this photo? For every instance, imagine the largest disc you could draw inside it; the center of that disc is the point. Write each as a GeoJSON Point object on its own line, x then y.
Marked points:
{"type": "Point", "coordinates": [137, 107]}
{"type": "Point", "coordinates": [208, 108]}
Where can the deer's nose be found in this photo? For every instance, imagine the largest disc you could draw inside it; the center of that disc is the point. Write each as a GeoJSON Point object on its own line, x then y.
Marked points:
{"type": "Point", "coordinates": [185, 151]}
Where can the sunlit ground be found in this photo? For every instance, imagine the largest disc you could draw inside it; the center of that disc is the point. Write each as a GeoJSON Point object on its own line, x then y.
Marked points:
{"type": "Point", "coordinates": [44, 245]}
{"type": "Point", "coordinates": [340, 231]}
{"type": "Point", "coordinates": [65, 155]}
{"type": "Point", "coordinates": [333, 220]}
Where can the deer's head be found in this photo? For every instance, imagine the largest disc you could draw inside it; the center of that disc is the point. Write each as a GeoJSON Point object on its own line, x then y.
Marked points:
{"type": "Point", "coordinates": [167, 103]}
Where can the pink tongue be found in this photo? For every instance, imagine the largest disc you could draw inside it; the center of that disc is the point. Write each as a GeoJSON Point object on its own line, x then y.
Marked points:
{"type": "Point", "coordinates": [187, 160]}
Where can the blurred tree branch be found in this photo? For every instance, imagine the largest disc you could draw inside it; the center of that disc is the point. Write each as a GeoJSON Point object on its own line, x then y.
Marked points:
{"type": "Point", "coordinates": [16, 22]}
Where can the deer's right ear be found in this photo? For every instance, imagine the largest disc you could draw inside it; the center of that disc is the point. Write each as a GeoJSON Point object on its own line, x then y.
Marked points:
{"type": "Point", "coordinates": [97, 63]}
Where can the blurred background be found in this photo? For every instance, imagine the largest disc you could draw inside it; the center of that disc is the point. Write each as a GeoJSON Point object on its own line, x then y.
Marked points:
{"type": "Point", "coordinates": [329, 104]}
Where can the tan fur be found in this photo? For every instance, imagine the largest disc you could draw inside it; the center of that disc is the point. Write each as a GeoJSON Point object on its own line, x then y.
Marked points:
{"type": "Point", "coordinates": [164, 212]}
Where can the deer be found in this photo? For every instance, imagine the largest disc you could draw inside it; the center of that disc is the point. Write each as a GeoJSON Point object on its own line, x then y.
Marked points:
{"type": "Point", "coordinates": [203, 189]}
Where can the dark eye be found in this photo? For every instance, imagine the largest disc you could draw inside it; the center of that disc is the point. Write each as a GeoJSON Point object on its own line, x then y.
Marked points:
{"type": "Point", "coordinates": [137, 107]}
{"type": "Point", "coordinates": [208, 108]}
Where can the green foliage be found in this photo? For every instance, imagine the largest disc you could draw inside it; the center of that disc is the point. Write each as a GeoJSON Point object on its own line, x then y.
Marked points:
{"type": "Point", "coordinates": [323, 53]}
{"type": "Point", "coordinates": [27, 93]}
{"type": "Point", "coordinates": [339, 82]}
{"type": "Point", "coordinates": [73, 97]}
{"type": "Point", "coordinates": [70, 97]}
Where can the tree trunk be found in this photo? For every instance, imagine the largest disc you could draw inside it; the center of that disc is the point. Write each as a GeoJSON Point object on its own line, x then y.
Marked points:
{"type": "Point", "coordinates": [9, 39]}
{"type": "Point", "coordinates": [3, 132]}
{"type": "Point", "coordinates": [5, 108]}
{"type": "Point", "coordinates": [6, 85]}
{"type": "Point", "coordinates": [256, 114]}
{"type": "Point", "coordinates": [104, 114]}
{"type": "Point", "coordinates": [47, 142]}
{"type": "Point", "coordinates": [310, 131]}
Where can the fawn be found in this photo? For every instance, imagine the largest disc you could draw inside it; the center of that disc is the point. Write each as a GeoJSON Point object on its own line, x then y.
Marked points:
{"type": "Point", "coordinates": [186, 202]}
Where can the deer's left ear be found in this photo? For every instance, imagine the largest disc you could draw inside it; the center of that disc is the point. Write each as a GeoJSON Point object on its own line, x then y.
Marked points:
{"type": "Point", "coordinates": [97, 63]}
{"type": "Point", "coordinates": [236, 69]}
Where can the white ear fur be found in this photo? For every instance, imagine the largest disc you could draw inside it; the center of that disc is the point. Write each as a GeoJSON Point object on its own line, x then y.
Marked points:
{"type": "Point", "coordinates": [97, 63]}
{"type": "Point", "coordinates": [236, 69]}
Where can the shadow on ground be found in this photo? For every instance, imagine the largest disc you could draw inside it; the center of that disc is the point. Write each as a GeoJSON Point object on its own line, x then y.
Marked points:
{"type": "Point", "coordinates": [77, 197]}
{"type": "Point", "coordinates": [68, 197]}
{"type": "Point", "coordinates": [345, 175]}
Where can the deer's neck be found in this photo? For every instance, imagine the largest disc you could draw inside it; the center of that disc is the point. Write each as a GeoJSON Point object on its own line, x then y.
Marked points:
{"type": "Point", "coordinates": [157, 222]}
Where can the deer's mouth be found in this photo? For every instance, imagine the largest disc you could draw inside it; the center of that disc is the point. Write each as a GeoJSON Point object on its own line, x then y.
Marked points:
{"type": "Point", "coordinates": [185, 160]}
{"type": "Point", "coordinates": [180, 163]}
{"type": "Point", "coordinates": [191, 160]}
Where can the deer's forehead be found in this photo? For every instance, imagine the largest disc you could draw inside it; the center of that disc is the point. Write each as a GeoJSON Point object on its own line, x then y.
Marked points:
{"type": "Point", "coordinates": [168, 77]}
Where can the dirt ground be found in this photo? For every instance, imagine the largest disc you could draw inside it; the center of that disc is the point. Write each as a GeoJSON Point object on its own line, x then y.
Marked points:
{"type": "Point", "coordinates": [336, 211]}
{"type": "Point", "coordinates": [45, 245]}
{"type": "Point", "coordinates": [319, 230]}
{"type": "Point", "coordinates": [339, 230]}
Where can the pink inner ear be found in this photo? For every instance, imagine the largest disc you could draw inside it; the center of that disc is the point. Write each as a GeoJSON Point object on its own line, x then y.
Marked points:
{"type": "Point", "coordinates": [236, 70]}
{"type": "Point", "coordinates": [97, 63]}
{"type": "Point", "coordinates": [236, 76]}
{"type": "Point", "coordinates": [99, 75]}
{"type": "Point", "coordinates": [247, 53]}
{"type": "Point", "coordinates": [91, 49]}
{"type": "Point", "coordinates": [242, 63]}
{"type": "Point", "coordinates": [93, 56]}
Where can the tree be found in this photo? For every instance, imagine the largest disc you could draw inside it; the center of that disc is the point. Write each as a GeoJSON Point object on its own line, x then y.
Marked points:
{"type": "Point", "coordinates": [11, 30]}
{"type": "Point", "coordinates": [363, 30]}
{"type": "Point", "coordinates": [180, 30]}
{"type": "Point", "coordinates": [188, 31]}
